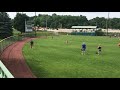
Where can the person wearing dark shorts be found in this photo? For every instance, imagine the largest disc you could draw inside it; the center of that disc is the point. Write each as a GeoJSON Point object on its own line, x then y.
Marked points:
{"type": "Point", "coordinates": [99, 49]}
{"type": "Point", "coordinates": [31, 43]}
{"type": "Point", "coordinates": [83, 48]}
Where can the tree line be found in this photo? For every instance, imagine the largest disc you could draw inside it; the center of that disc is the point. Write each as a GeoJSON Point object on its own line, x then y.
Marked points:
{"type": "Point", "coordinates": [67, 21]}
{"type": "Point", "coordinates": [53, 21]}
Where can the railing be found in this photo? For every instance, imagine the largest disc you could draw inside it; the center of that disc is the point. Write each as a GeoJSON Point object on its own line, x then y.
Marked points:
{"type": "Point", "coordinates": [4, 72]}
{"type": "Point", "coordinates": [8, 41]}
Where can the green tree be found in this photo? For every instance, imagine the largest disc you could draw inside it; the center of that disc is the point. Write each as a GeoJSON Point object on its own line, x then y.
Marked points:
{"type": "Point", "coordinates": [5, 25]}
{"type": "Point", "coordinates": [99, 33]}
{"type": "Point", "coordinates": [57, 21]}
{"type": "Point", "coordinates": [19, 22]}
{"type": "Point", "coordinates": [100, 22]}
{"type": "Point", "coordinates": [67, 21]}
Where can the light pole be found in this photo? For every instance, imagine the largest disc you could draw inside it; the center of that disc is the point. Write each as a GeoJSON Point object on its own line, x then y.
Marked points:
{"type": "Point", "coordinates": [25, 23]}
{"type": "Point", "coordinates": [34, 24]}
{"type": "Point", "coordinates": [46, 22]}
{"type": "Point", "coordinates": [107, 23]}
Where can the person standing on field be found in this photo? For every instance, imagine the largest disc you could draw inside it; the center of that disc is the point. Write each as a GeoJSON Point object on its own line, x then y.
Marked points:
{"type": "Point", "coordinates": [119, 45]}
{"type": "Point", "coordinates": [99, 49]}
{"type": "Point", "coordinates": [31, 43]}
{"type": "Point", "coordinates": [83, 48]}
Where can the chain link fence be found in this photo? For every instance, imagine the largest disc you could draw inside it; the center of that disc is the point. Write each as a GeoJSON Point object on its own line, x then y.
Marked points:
{"type": "Point", "coordinates": [8, 41]}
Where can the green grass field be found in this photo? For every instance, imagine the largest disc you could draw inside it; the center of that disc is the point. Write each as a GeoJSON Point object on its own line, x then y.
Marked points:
{"type": "Point", "coordinates": [53, 58]}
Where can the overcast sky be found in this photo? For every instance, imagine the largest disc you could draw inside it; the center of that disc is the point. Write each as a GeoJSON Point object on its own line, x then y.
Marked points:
{"type": "Point", "coordinates": [89, 15]}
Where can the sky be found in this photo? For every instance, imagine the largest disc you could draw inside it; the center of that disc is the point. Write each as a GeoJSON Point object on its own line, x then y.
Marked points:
{"type": "Point", "coordinates": [89, 15]}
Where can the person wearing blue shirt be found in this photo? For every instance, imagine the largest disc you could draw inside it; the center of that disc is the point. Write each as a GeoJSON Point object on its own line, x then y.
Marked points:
{"type": "Point", "coordinates": [83, 48]}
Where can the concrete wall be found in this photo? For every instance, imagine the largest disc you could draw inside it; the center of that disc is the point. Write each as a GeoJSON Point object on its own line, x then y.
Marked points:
{"type": "Point", "coordinates": [112, 30]}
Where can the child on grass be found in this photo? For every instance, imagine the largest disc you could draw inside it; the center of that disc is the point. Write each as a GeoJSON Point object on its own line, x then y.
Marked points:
{"type": "Point", "coordinates": [83, 48]}
{"type": "Point", "coordinates": [99, 49]}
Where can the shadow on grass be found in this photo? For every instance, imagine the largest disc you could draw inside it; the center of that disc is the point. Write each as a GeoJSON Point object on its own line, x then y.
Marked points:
{"type": "Point", "coordinates": [37, 68]}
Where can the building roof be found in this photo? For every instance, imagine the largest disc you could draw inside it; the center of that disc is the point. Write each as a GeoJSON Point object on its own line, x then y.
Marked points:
{"type": "Point", "coordinates": [84, 27]}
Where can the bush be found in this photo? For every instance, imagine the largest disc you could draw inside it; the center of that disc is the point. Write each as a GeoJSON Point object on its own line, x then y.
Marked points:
{"type": "Point", "coordinates": [99, 33]}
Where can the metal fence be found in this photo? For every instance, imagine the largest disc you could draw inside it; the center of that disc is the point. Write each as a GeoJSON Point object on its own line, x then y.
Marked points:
{"type": "Point", "coordinates": [8, 41]}
{"type": "Point", "coordinates": [84, 33]}
{"type": "Point", "coordinates": [4, 72]}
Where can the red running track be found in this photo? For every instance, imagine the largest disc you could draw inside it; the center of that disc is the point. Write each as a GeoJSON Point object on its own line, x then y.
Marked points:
{"type": "Point", "coordinates": [13, 59]}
